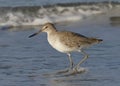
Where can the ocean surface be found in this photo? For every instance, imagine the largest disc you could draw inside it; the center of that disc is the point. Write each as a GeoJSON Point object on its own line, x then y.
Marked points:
{"type": "Point", "coordinates": [25, 61]}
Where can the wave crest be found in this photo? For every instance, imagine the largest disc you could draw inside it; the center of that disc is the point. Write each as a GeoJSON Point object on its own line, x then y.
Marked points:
{"type": "Point", "coordinates": [37, 15]}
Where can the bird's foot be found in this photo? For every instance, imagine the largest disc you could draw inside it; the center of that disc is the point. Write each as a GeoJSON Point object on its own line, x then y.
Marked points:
{"type": "Point", "coordinates": [76, 70]}
{"type": "Point", "coordinates": [66, 72]}
{"type": "Point", "coordinates": [62, 71]}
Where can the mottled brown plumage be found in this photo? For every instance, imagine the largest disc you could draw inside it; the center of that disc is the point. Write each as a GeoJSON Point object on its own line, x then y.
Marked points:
{"type": "Point", "coordinates": [76, 40]}
{"type": "Point", "coordinates": [67, 42]}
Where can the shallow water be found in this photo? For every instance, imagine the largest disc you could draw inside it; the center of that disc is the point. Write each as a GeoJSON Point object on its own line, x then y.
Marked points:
{"type": "Point", "coordinates": [24, 61]}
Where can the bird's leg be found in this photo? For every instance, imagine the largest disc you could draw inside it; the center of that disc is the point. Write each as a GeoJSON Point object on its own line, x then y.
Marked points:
{"type": "Point", "coordinates": [70, 68]}
{"type": "Point", "coordinates": [83, 60]}
{"type": "Point", "coordinates": [71, 61]}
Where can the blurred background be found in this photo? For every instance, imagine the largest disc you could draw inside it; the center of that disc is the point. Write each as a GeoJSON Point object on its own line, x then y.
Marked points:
{"type": "Point", "coordinates": [24, 61]}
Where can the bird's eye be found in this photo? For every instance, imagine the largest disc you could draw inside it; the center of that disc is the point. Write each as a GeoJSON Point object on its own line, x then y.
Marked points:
{"type": "Point", "coordinates": [46, 27]}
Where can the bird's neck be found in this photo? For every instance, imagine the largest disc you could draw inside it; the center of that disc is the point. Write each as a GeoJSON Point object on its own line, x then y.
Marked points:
{"type": "Point", "coordinates": [51, 37]}
{"type": "Point", "coordinates": [52, 32]}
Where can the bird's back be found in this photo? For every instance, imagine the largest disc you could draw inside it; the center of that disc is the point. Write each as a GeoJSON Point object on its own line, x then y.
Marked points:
{"type": "Point", "coordinates": [72, 39]}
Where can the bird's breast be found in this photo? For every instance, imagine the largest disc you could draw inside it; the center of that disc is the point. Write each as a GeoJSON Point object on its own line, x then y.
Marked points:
{"type": "Point", "coordinates": [54, 42]}
{"type": "Point", "coordinates": [58, 45]}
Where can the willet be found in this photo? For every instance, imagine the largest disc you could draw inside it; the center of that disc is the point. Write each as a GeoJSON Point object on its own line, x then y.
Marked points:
{"type": "Point", "coordinates": [67, 42]}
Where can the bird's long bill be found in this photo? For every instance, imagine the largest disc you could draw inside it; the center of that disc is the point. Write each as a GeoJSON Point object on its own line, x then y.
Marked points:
{"type": "Point", "coordinates": [35, 34]}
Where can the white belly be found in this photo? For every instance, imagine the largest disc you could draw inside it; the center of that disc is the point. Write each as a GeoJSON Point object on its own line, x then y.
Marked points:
{"type": "Point", "coordinates": [56, 44]}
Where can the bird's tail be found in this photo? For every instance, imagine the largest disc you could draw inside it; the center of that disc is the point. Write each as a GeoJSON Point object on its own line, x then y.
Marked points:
{"type": "Point", "coordinates": [95, 40]}
{"type": "Point", "coordinates": [99, 40]}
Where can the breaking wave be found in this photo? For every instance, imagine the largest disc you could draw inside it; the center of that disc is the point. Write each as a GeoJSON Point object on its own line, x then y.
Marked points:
{"type": "Point", "coordinates": [37, 15]}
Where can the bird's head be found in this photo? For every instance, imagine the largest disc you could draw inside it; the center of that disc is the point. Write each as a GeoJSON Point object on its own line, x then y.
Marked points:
{"type": "Point", "coordinates": [48, 27]}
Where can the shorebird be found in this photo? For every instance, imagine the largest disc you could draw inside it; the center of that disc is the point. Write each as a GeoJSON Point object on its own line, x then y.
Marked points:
{"type": "Point", "coordinates": [67, 42]}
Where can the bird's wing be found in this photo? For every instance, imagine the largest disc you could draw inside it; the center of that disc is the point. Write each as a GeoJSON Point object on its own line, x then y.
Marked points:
{"type": "Point", "coordinates": [73, 39]}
